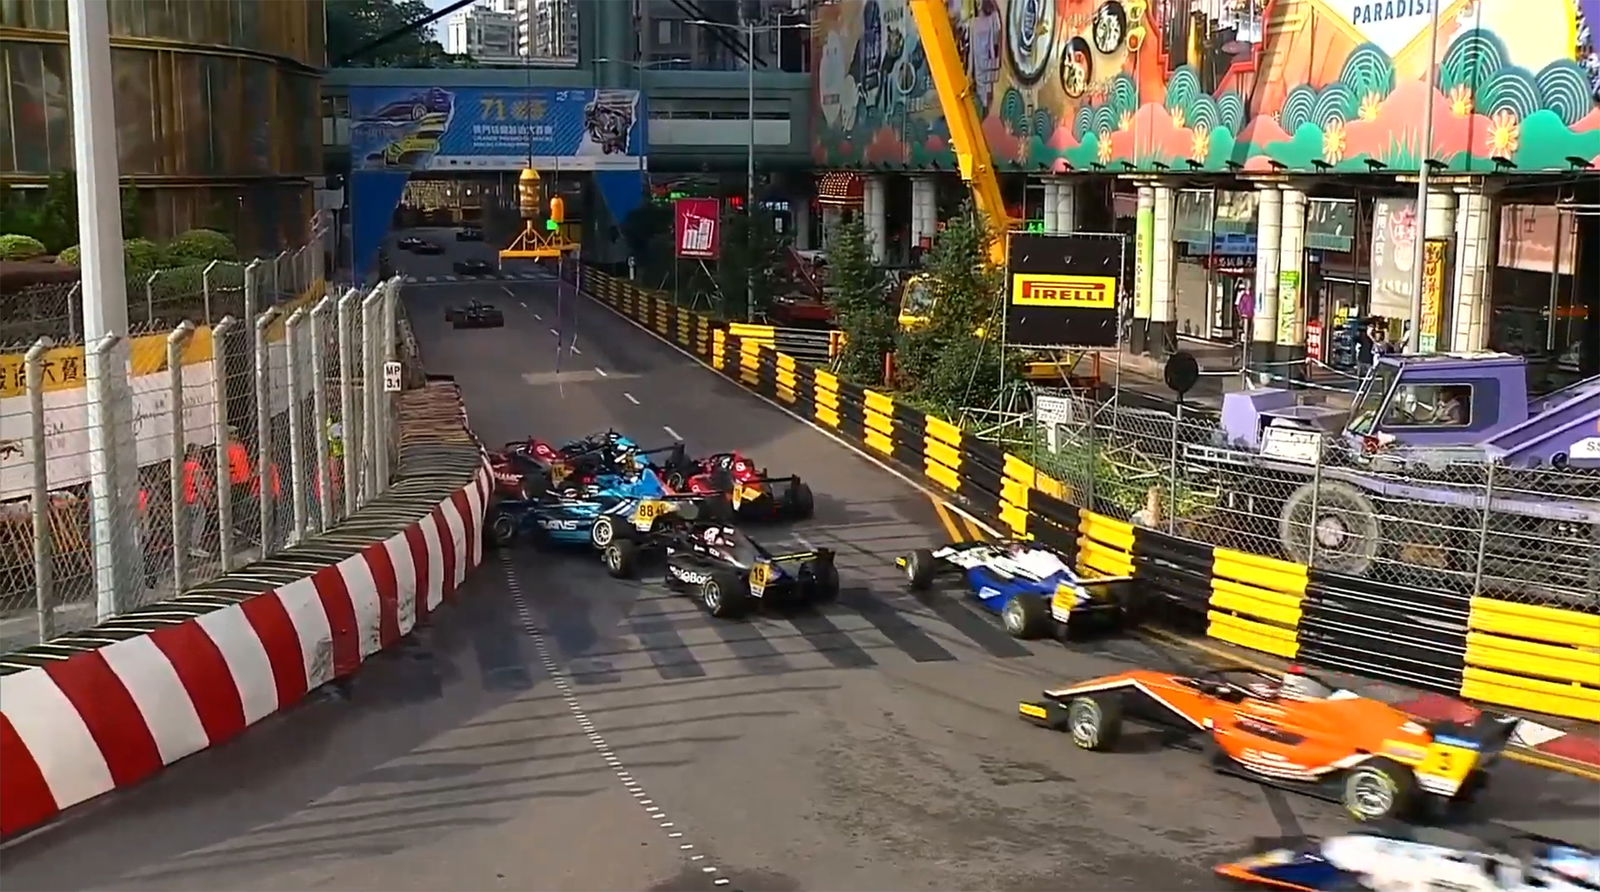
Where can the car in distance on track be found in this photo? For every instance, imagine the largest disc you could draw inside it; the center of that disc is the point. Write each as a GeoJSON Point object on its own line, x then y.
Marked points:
{"type": "Point", "coordinates": [410, 243]}
{"type": "Point", "coordinates": [469, 234]}
{"type": "Point", "coordinates": [1380, 861]}
{"type": "Point", "coordinates": [476, 314]}
{"type": "Point", "coordinates": [423, 246]}
{"type": "Point", "coordinates": [728, 572]}
{"type": "Point", "coordinates": [1293, 731]}
{"type": "Point", "coordinates": [473, 266]}
{"type": "Point", "coordinates": [1032, 588]}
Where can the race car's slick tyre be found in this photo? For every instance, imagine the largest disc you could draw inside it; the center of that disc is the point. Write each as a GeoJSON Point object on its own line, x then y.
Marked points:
{"type": "Point", "coordinates": [1379, 789]}
{"type": "Point", "coordinates": [824, 582]}
{"type": "Point", "coordinates": [725, 595]}
{"type": "Point", "coordinates": [1025, 617]}
{"type": "Point", "coordinates": [501, 529]}
{"type": "Point", "coordinates": [920, 567]}
{"type": "Point", "coordinates": [621, 558]}
{"type": "Point", "coordinates": [798, 501]}
{"type": "Point", "coordinates": [604, 531]}
{"type": "Point", "coordinates": [1095, 721]}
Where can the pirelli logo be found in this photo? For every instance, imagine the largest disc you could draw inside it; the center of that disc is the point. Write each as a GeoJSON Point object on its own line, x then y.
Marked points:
{"type": "Point", "coordinates": [1064, 292]}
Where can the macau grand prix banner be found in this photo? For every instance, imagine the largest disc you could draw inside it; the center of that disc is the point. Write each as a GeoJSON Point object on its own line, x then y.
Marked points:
{"type": "Point", "coordinates": [472, 128]}
{"type": "Point", "coordinates": [396, 132]}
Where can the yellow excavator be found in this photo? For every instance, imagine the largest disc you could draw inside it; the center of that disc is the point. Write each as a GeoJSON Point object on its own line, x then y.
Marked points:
{"type": "Point", "coordinates": [976, 163]}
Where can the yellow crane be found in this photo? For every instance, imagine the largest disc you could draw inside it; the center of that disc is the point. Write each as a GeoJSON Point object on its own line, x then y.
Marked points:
{"type": "Point", "coordinates": [976, 163]}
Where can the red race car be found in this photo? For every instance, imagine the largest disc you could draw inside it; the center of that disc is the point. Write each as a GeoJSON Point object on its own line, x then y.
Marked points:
{"type": "Point", "coordinates": [755, 494]}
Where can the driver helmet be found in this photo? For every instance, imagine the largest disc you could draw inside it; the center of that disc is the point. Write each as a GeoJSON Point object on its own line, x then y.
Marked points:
{"type": "Point", "coordinates": [1297, 685]}
{"type": "Point", "coordinates": [718, 536]}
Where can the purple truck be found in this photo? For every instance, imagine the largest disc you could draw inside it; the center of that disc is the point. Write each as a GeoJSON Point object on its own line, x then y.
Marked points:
{"type": "Point", "coordinates": [1428, 444]}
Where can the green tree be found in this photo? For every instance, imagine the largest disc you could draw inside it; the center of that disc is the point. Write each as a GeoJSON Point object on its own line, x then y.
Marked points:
{"type": "Point", "coordinates": [857, 292]}
{"type": "Point", "coordinates": [354, 23]}
{"type": "Point", "coordinates": [753, 269]}
{"type": "Point", "coordinates": [648, 231]}
{"type": "Point", "coordinates": [956, 360]}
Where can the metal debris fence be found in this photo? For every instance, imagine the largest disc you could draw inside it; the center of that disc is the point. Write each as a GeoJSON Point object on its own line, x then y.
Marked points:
{"type": "Point", "coordinates": [247, 435]}
{"type": "Point", "coordinates": [1456, 520]}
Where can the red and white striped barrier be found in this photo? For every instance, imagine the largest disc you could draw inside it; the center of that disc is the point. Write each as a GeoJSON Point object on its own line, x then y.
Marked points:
{"type": "Point", "coordinates": [110, 718]}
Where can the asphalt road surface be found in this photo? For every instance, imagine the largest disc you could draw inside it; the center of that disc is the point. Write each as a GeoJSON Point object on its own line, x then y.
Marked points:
{"type": "Point", "coordinates": [557, 729]}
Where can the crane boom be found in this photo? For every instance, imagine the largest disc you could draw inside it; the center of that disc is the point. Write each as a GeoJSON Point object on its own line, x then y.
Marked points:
{"type": "Point", "coordinates": [958, 102]}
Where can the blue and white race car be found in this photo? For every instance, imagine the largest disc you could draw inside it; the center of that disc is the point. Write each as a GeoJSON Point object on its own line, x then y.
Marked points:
{"type": "Point", "coordinates": [1384, 862]}
{"type": "Point", "coordinates": [1034, 589]}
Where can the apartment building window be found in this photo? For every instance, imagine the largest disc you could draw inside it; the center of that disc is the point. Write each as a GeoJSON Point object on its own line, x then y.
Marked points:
{"type": "Point", "coordinates": [665, 35]}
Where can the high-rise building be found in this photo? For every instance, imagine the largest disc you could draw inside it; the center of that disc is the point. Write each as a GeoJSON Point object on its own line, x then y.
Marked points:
{"type": "Point", "coordinates": [548, 29]}
{"type": "Point", "coordinates": [486, 31]}
{"type": "Point", "coordinates": [180, 82]}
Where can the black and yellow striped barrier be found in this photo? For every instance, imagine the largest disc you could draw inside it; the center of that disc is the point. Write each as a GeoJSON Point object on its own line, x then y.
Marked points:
{"type": "Point", "coordinates": [1526, 656]}
{"type": "Point", "coordinates": [1256, 601]}
{"type": "Point", "coordinates": [1535, 658]}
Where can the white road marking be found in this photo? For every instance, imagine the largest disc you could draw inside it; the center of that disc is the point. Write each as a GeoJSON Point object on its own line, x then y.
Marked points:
{"type": "Point", "coordinates": [563, 686]}
{"type": "Point", "coordinates": [536, 315]}
{"type": "Point", "coordinates": [671, 433]}
{"type": "Point", "coordinates": [601, 371]}
{"type": "Point", "coordinates": [555, 333]}
{"type": "Point", "coordinates": [576, 351]}
{"type": "Point", "coordinates": [631, 399]}
{"type": "Point", "coordinates": [433, 278]}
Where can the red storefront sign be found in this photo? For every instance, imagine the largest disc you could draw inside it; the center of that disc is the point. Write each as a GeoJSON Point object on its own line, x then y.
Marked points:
{"type": "Point", "coordinates": [698, 228]}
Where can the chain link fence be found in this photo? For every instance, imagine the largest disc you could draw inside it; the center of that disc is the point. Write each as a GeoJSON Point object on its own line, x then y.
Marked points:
{"type": "Point", "coordinates": [144, 465]}
{"type": "Point", "coordinates": [1448, 519]}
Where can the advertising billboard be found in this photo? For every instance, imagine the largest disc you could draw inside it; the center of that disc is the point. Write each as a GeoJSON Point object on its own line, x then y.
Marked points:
{"type": "Point", "coordinates": [698, 228]}
{"type": "Point", "coordinates": [1202, 83]}
{"type": "Point", "coordinates": [473, 128]}
{"type": "Point", "coordinates": [1062, 291]}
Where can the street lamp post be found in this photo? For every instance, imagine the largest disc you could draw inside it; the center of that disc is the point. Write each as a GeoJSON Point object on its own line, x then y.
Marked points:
{"type": "Point", "coordinates": [750, 29]}
{"type": "Point", "coordinates": [1419, 248]}
{"type": "Point", "coordinates": [640, 67]}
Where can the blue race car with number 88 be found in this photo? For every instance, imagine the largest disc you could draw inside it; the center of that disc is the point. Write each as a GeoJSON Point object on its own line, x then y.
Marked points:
{"type": "Point", "coordinates": [1033, 588]}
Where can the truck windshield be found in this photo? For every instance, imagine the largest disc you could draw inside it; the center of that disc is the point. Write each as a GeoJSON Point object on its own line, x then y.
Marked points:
{"type": "Point", "coordinates": [1364, 414]}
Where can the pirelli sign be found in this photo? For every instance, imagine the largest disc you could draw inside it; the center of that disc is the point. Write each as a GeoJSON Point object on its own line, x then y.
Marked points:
{"type": "Point", "coordinates": [1064, 291]}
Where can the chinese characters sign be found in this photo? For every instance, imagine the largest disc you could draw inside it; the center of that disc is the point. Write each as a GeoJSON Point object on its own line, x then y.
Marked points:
{"type": "Point", "coordinates": [1434, 255]}
{"type": "Point", "coordinates": [431, 128]}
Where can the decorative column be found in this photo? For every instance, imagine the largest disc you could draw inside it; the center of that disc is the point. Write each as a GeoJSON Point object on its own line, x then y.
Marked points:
{"type": "Point", "coordinates": [1469, 314]}
{"type": "Point", "coordinates": [1163, 303]}
{"type": "Point", "coordinates": [1049, 204]}
{"type": "Point", "coordinates": [1066, 204]}
{"type": "Point", "coordinates": [1144, 234]}
{"type": "Point", "coordinates": [1291, 327]}
{"type": "Point", "coordinates": [1264, 328]}
{"type": "Point", "coordinates": [924, 211]}
{"type": "Point", "coordinates": [1441, 224]}
{"type": "Point", "coordinates": [875, 219]}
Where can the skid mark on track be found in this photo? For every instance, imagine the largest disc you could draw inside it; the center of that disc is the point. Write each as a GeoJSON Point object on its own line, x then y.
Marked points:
{"type": "Point", "coordinates": [630, 783]}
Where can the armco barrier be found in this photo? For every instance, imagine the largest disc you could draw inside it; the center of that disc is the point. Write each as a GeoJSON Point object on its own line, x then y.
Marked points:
{"type": "Point", "coordinates": [1403, 634]}
{"type": "Point", "coordinates": [1256, 602]}
{"type": "Point", "coordinates": [1530, 657]}
{"type": "Point", "coordinates": [109, 707]}
{"type": "Point", "coordinates": [1540, 660]}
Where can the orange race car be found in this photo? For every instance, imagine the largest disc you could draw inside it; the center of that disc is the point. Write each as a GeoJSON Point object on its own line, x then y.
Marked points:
{"type": "Point", "coordinates": [1292, 731]}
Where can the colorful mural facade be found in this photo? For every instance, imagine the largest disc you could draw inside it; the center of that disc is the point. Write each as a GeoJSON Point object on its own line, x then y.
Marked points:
{"type": "Point", "coordinates": [1310, 85]}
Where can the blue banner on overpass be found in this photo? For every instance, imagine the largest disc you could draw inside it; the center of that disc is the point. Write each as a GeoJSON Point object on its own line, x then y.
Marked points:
{"type": "Point", "coordinates": [475, 128]}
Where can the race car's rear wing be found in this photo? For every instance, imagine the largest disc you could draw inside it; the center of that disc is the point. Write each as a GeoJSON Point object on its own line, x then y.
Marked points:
{"type": "Point", "coordinates": [1488, 733]}
{"type": "Point", "coordinates": [818, 555]}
